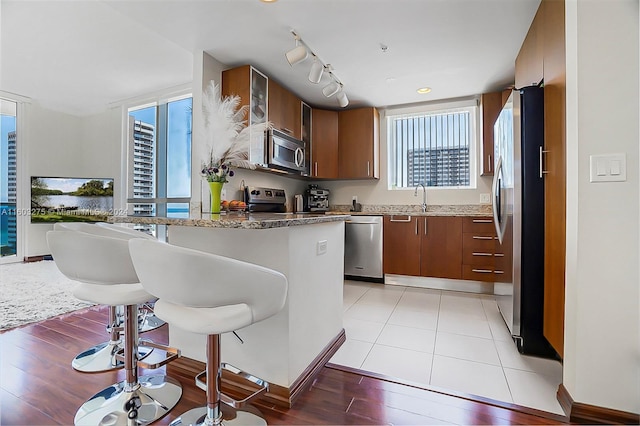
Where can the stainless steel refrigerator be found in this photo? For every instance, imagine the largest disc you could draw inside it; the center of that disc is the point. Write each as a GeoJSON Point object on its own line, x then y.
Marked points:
{"type": "Point", "coordinates": [518, 210]}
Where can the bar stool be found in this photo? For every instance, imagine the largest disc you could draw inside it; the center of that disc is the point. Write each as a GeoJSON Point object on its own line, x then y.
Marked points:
{"type": "Point", "coordinates": [105, 274]}
{"type": "Point", "coordinates": [216, 295]}
{"type": "Point", "coordinates": [102, 357]}
{"type": "Point", "coordinates": [147, 320]}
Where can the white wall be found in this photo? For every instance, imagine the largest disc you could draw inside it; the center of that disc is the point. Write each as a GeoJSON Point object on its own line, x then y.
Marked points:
{"type": "Point", "coordinates": [602, 359]}
{"type": "Point", "coordinates": [377, 192]}
{"type": "Point", "coordinates": [64, 145]}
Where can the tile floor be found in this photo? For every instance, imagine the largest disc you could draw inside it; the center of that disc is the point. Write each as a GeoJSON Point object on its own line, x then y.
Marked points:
{"type": "Point", "coordinates": [447, 339]}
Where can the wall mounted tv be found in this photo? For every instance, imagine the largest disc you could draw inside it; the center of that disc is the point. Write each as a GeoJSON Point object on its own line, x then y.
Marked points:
{"type": "Point", "coordinates": [60, 199]}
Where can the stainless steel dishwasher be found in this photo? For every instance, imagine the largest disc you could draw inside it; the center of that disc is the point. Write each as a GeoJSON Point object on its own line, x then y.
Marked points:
{"type": "Point", "coordinates": [363, 248]}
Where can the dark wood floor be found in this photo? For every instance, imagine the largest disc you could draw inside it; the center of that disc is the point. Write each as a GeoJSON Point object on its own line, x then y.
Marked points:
{"type": "Point", "coordinates": [39, 387]}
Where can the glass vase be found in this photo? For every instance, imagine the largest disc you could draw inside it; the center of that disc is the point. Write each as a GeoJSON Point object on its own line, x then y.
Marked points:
{"type": "Point", "coordinates": [215, 189]}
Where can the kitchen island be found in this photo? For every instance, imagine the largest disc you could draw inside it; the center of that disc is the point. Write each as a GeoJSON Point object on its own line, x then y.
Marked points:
{"type": "Point", "coordinates": [289, 348]}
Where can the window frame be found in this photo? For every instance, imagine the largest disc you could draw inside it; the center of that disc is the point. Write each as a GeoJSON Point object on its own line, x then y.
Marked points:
{"type": "Point", "coordinates": [465, 104]}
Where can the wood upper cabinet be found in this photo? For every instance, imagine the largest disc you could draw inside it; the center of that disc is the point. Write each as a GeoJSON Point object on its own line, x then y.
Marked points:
{"type": "Point", "coordinates": [359, 144]}
{"type": "Point", "coordinates": [401, 245]}
{"type": "Point", "coordinates": [285, 110]}
{"type": "Point", "coordinates": [529, 63]}
{"type": "Point", "coordinates": [441, 246]}
{"type": "Point", "coordinates": [490, 107]}
{"type": "Point", "coordinates": [324, 144]}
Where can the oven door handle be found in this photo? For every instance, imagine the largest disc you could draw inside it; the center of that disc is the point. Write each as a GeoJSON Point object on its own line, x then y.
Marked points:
{"type": "Point", "coordinates": [299, 153]}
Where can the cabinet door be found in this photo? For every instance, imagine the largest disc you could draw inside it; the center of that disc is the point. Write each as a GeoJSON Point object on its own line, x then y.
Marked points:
{"type": "Point", "coordinates": [324, 144]}
{"type": "Point", "coordinates": [441, 247]}
{"type": "Point", "coordinates": [359, 144]}
{"type": "Point", "coordinates": [490, 105]}
{"type": "Point", "coordinates": [284, 110]}
{"type": "Point", "coordinates": [401, 245]}
{"type": "Point", "coordinates": [529, 62]}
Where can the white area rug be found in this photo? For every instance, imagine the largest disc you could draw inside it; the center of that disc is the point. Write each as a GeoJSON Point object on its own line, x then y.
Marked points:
{"type": "Point", "coordinates": [31, 292]}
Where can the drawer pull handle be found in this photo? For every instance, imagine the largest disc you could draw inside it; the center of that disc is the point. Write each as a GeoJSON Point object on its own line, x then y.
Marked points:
{"type": "Point", "coordinates": [476, 237]}
{"type": "Point", "coordinates": [499, 255]}
{"type": "Point", "coordinates": [498, 272]}
{"type": "Point", "coordinates": [482, 271]}
{"type": "Point", "coordinates": [408, 219]}
{"type": "Point", "coordinates": [482, 221]}
{"type": "Point", "coordinates": [481, 254]}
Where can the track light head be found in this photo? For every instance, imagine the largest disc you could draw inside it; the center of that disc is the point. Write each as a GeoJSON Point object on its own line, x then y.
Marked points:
{"type": "Point", "coordinates": [297, 55]}
{"type": "Point", "coordinates": [330, 89]}
{"type": "Point", "coordinates": [343, 101]}
{"type": "Point", "coordinates": [315, 74]}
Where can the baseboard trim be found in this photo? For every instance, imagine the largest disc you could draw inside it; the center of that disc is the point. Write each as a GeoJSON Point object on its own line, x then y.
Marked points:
{"type": "Point", "coordinates": [592, 414]}
{"type": "Point", "coordinates": [280, 396]}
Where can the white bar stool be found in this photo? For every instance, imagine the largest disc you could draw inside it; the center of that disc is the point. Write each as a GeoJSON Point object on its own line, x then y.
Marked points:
{"type": "Point", "coordinates": [216, 295]}
{"type": "Point", "coordinates": [105, 274]}
{"type": "Point", "coordinates": [102, 357]}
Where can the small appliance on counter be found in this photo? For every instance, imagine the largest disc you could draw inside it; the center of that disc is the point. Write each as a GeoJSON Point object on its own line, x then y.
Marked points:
{"type": "Point", "coordinates": [316, 199]}
{"type": "Point", "coordinates": [260, 199]}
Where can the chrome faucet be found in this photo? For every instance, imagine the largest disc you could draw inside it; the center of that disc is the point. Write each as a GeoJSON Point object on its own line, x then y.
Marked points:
{"type": "Point", "coordinates": [424, 196]}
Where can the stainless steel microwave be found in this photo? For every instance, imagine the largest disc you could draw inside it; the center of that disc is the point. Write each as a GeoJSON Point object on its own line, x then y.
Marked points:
{"type": "Point", "coordinates": [288, 153]}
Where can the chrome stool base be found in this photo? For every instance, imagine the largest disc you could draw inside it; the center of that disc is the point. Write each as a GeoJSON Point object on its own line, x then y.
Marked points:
{"type": "Point", "coordinates": [149, 321]}
{"type": "Point", "coordinates": [156, 395]}
{"type": "Point", "coordinates": [102, 357]}
{"type": "Point", "coordinates": [196, 417]}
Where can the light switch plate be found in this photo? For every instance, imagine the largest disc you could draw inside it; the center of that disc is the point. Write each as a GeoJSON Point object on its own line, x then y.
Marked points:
{"type": "Point", "coordinates": [321, 247]}
{"type": "Point", "coordinates": [485, 198]}
{"type": "Point", "coordinates": [608, 168]}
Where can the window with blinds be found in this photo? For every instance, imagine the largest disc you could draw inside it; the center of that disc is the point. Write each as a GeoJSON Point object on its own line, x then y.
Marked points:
{"type": "Point", "coordinates": [434, 148]}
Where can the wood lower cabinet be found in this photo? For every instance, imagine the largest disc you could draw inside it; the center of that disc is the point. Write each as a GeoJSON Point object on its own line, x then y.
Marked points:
{"type": "Point", "coordinates": [324, 144]}
{"type": "Point", "coordinates": [483, 257]}
{"type": "Point", "coordinates": [359, 144]}
{"type": "Point", "coordinates": [401, 247]}
{"type": "Point", "coordinates": [441, 247]}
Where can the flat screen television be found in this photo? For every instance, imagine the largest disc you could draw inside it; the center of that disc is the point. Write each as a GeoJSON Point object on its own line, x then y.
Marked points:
{"type": "Point", "coordinates": [62, 199]}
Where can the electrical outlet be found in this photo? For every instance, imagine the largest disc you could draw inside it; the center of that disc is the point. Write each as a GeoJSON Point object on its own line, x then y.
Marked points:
{"type": "Point", "coordinates": [223, 193]}
{"type": "Point", "coordinates": [485, 198]}
{"type": "Point", "coordinates": [321, 247]}
{"type": "Point", "coordinates": [354, 198]}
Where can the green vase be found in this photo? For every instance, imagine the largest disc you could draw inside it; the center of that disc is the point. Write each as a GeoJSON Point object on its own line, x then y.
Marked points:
{"type": "Point", "coordinates": [216, 189]}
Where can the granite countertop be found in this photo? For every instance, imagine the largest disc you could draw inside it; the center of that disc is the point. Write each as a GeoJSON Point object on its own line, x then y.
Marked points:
{"type": "Point", "coordinates": [236, 220]}
{"type": "Point", "coordinates": [471, 210]}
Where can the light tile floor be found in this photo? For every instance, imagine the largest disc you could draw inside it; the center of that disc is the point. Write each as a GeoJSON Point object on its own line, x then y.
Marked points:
{"type": "Point", "coordinates": [451, 340]}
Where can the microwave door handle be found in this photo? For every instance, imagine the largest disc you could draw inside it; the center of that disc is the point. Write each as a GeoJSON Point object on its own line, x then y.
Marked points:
{"type": "Point", "coordinates": [301, 154]}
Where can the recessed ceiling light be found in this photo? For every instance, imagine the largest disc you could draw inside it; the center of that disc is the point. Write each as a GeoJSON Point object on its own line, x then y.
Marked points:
{"type": "Point", "coordinates": [424, 90]}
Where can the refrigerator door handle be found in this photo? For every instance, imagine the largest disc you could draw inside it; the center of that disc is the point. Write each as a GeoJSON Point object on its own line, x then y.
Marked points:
{"type": "Point", "coordinates": [496, 201]}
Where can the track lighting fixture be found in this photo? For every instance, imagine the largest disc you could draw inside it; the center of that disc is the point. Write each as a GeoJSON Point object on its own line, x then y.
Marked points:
{"type": "Point", "coordinates": [298, 53]}
{"type": "Point", "coordinates": [343, 101]}
{"type": "Point", "coordinates": [318, 69]}
{"type": "Point", "coordinates": [315, 74]}
{"type": "Point", "coordinates": [331, 89]}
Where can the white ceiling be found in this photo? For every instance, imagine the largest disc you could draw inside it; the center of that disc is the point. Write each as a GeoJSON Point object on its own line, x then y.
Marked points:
{"type": "Point", "coordinates": [80, 56]}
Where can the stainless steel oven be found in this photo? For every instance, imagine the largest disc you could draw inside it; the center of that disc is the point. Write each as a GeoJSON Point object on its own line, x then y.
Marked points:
{"type": "Point", "coordinates": [288, 153]}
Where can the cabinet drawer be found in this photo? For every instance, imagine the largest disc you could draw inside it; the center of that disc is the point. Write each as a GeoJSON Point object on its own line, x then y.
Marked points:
{"type": "Point", "coordinates": [479, 241]}
{"type": "Point", "coordinates": [478, 224]}
{"type": "Point", "coordinates": [472, 256]}
{"type": "Point", "coordinates": [476, 273]}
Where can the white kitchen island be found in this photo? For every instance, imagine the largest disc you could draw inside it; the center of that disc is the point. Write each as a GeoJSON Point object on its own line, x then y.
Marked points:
{"type": "Point", "coordinates": [289, 348]}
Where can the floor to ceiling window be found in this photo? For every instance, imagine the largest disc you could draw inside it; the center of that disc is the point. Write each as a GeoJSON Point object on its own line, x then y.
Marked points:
{"type": "Point", "coordinates": [159, 169]}
{"type": "Point", "coordinates": [8, 178]}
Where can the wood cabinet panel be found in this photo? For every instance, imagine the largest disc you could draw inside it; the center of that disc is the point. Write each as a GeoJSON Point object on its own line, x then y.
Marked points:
{"type": "Point", "coordinates": [555, 165]}
{"type": "Point", "coordinates": [237, 81]}
{"type": "Point", "coordinates": [441, 247]}
{"type": "Point", "coordinates": [529, 62]}
{"type": "Point", "coordinates": [482, 225]}
{"type": "Point", "coordinates": [284, 110]}
{"type": "Point", "coordinates": [477, 257]}
{"type": "Point", "coordinates": [482, 241]}
{"type": "Point", "coordinates": [324, 144]}
{"type": "Point", "coordinates": [490, 107]}
{"type": "Point", "coordinates": [359, 144]}
{"type": "Point", "coordinates": [478, 273]}
{"type": "Point", "coordinates": [401, 245]}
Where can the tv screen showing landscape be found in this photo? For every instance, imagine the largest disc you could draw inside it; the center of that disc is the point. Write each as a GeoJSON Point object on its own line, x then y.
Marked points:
{"type": "Point", "coordinates": [59, 199]}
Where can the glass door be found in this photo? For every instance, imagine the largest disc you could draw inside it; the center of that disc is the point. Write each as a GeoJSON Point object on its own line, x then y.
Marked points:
{"type": "Point", "coordinates": [9, 242]}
